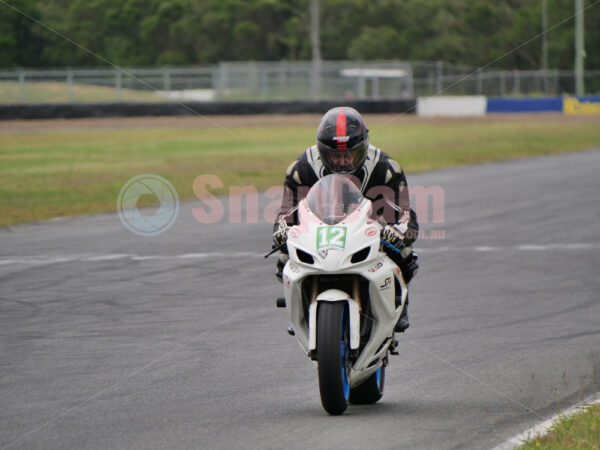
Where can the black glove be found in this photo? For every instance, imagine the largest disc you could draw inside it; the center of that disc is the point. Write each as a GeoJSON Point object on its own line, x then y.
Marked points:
{"type": "Point", "coordinates": [394, 235]}
{"type": "Point", "coordinates": [280, 233]}
{"type": "Point", "coordinates": [402, 254]}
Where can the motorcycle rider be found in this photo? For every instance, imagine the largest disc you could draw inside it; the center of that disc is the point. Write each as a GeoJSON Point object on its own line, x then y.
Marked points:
{"type": "Point", "coordinates": [343, 147]}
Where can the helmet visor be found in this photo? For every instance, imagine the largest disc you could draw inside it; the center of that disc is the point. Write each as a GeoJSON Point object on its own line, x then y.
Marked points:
{"type": "Point", "coordinates": [343, 161]}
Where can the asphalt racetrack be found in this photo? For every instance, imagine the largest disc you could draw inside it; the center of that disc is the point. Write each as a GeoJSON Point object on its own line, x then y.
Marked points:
{"type": "Point", "coordinates": [110, 340]}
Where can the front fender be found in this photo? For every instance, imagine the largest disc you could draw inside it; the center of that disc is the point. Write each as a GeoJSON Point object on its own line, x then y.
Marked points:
{"type": "Point", "coordinates": [334, 295]}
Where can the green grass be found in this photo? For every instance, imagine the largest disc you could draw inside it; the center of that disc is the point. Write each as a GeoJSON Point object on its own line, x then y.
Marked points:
{"type": "Point", "coordinates": [48, 92]}
{"type": "Point", "coordinates": [63, 172]}
{"type": "Point", "coordinates": [581, 431]}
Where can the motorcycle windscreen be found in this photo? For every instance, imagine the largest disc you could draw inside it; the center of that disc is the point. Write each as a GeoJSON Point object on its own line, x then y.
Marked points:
{"type": "Point", "coordinates": [334, 197]}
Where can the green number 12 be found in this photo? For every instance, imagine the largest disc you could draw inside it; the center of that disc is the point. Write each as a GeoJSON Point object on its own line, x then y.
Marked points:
{"type": "Point", "coordinates": [331, 237]}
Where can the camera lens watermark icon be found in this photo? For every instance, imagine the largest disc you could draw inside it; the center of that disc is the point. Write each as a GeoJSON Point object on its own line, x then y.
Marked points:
{"type": "Point", "coordinates": [150, 224]}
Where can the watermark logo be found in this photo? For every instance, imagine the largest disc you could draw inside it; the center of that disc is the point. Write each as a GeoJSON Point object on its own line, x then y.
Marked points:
{"type": "Point", "coordinates": [242, 204]}
{"type": "Point", "coordinates": [246, 204]}
{"type": "Point", "coordinates": [129, 209]}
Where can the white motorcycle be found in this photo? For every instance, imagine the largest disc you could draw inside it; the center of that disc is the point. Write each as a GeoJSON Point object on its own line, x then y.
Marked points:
{"type": "Point", "coordinates": [340, 289]}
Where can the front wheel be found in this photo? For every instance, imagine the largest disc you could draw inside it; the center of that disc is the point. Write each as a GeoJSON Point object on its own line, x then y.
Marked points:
{"type": "Point", "coordinates": [332, 351]}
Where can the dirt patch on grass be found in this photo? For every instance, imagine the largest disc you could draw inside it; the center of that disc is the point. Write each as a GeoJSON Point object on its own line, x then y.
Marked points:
{"type": "Point", "coordinates": [373, 120]}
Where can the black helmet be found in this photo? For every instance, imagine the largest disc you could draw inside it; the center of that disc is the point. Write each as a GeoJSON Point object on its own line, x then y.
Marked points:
{"type": "Point", "coordinates": [342, 140]}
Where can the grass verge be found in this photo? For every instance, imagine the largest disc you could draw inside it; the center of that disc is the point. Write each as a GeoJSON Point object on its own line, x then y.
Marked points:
{"type": "Point", "coordinates": [79, 167]}
{"type": "Point", "coordinates": [55, 92]}
{"type": "Point", "coordinates": [580, 431]}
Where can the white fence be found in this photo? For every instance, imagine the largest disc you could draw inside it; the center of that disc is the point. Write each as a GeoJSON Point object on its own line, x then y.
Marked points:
{"type": "Point", "coordinates": [269, 81]}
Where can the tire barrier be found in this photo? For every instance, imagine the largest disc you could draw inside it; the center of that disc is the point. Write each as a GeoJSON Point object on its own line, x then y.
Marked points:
{"type": "Point", "coordinates": [424, 106]}
{"type": "Point", "coordinates": [81, 110]}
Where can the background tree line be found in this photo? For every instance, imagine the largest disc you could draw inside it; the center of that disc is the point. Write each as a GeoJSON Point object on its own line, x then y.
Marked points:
{"type": "Point", "coordinates": [188, 32]}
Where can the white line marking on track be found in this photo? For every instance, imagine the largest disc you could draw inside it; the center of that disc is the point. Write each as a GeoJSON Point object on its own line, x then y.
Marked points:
{"type": "Point", "coordinates": [215, 255]}
{"type": "Point", "coordinates": [145, 258]}
{"type": "Point", "coordinates": [46, 259]}
{"type": "Point", "coordinates": [532, 247]}
{"type": "Point", "coordinates": [106, 257]}
{"type": "Point", "coordinates": [484, 248]}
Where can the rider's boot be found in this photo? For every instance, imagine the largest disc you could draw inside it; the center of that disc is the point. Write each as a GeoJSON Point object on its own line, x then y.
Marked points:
{"type": "Point", "coordinates": [402, 324]}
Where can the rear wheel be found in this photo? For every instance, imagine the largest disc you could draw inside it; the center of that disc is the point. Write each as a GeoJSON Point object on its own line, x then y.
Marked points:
{"type": "Point", "coordinates": [370, 391]}
{"type": "Point", "coordinates": [333, 347]}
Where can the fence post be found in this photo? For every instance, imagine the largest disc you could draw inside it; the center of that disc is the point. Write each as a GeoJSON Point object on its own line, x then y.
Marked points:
{"type": "Point", "coordinates": [315, 80]}
{"type": "Point", "coordinates": [439, 66]}
{"type": "Point", "coordinates": [264, 80]}
{"type": "Point", "coordinates": [282, 76]}
{"type": "Point", "coordinates": [430, 88]}
{"type": "Point", "coordinates": [502, 79]}
{"type": "Point", "coordinates": [214, 79]}
{"type": "Point", "coordinates": [252, 77]}
{"type": "Point", "coordinates": [409, 81]}
{"type": "Point", "coordinates": [21, 86]}
{"type": "Point", "coordinates": [118, 84]}
{"type": "Point", "coordinates": [166, 79]}
{"type": "Point", "coordinates": [375, 94]}
{"type": "Point", "coordinates": [397, 85]}
{"type": "Point", "coordinates": [479, 81]}
{"type": "Point", "coordinates": [361, 87]}
{"type": "Point", "coordinates": [69, 84]}
{"type": "Point", "coordinates": [222, 76]}
{"type": "Point", "coordinates": [516, 80]}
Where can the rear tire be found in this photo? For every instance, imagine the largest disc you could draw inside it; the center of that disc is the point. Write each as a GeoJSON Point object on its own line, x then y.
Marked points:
{"type": "Point", "coordinates": [370, 391]}
{"type": "Point", "coordinates": [333, 345]}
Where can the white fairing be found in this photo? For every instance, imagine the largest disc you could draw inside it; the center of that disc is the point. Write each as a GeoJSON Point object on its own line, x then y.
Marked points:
{"type": "Point", "coordinates": [331, 258]}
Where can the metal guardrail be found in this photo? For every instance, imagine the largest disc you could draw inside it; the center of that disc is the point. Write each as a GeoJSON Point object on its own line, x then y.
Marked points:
{"type": "Point", "coordinates": [280, 81]}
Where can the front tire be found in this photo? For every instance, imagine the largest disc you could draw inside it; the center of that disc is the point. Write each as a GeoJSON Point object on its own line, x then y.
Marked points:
{"type": "Point", "coordinates": [333, 346]}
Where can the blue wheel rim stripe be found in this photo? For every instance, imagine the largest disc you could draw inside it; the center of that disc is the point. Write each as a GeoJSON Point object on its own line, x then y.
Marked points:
{"type": "Point", "coordinates": [344, 357]}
